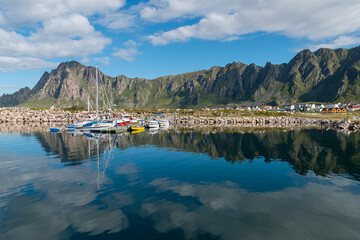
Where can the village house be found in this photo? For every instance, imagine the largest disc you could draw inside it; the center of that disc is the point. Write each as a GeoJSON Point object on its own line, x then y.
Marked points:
{"type": "Point", "coordinates": [332, 105]}
{"type": "Point", "coordinates": [354, 107]}
{"type": "Point", "coordinates": [268, 108]}
{"type": "Point", "coordinates": [276, 108]}
{"type": "Point", "coordinates": [320, 107]}
{"type": "Point", "coordinates": [306, 107]}
{"type": "Point", "coordinates": [290, 108]}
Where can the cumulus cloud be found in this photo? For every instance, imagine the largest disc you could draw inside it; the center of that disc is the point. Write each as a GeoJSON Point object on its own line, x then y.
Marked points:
{"type": "Point", "coordinates": [68, 36]}
{"type": "Point", "coordinates": [103, 60]}
{"type": "Point", "coordinates": [129, 52]}
{"type": "Point", "coordinates": [342, 41]}
{"type": "Point", "coordinates": [90, 7]}
{"type": "Point", "coordinates": [53, 29]}
{"type": "Point", "coordinates": [23, 63]}
{"type": "Point", "coordinates": [29, 12]}
{"type": "Point", "coordinates": [224, 20]}
{"type": "Point", "coordinates": [118, 20]}
{"type": "Point", "coordinates": [48, 29]}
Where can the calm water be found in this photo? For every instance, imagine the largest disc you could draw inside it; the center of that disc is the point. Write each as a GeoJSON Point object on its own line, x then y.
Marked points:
{"type": "Point", "coordinates": [191, 185]}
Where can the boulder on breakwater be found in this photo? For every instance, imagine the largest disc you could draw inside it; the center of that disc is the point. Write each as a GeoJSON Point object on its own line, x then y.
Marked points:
{"type": "Point", "coordinates": [24, 115]}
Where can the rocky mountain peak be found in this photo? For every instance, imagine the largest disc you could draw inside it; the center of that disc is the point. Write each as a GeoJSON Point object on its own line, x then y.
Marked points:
{"type": "Point", "coordinates": [71, 65]}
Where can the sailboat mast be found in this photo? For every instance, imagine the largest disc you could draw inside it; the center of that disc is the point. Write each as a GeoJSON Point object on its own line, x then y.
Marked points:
{"type": "Point", "coordinates": [97, 93]}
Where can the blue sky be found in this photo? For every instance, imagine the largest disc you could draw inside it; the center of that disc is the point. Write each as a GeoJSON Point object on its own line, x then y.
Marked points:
{"type": "Point", "coordinates": [162, 37]}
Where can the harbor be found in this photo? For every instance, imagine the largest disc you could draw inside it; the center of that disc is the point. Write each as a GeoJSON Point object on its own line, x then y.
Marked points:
{"type": "Point", "coordinates": [61, 119]}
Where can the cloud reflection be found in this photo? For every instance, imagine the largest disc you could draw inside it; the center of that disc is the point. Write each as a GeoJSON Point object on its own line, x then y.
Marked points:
{"type": "Point", "coordinates": [316, 211]}
{"type": "Point", "coordinates": [43, 203]}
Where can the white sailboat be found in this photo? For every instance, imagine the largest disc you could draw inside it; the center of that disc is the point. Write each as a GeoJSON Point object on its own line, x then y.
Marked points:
{"type": "Point", "coordinates": [101, 125]}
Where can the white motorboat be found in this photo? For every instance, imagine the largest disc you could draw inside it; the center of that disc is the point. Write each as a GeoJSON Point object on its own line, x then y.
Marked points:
{"type": "Point", "coordinates": [152, 124]}
{"type": "Point", "coordinates": [79, 125]}
{"type": "Point", "coordinates": [100, 126]}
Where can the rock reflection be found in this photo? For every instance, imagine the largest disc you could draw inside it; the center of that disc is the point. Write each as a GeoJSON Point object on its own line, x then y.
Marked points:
{"type": "Point", "coordinates": [27, 128]}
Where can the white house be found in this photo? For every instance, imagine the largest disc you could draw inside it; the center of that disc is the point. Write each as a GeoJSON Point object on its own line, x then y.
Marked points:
{"type": "Point", "coordinates": [290, 108]}
{"type": "Point", "coordinates": [332, 105]}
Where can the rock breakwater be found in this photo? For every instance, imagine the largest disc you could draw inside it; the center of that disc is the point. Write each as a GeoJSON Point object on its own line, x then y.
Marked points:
{"type": "Point", "coordinates": [23, 115]}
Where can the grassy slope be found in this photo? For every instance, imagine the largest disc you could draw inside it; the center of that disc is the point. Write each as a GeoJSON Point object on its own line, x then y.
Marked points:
{"type": "Point", "coordinates": [42, 103]}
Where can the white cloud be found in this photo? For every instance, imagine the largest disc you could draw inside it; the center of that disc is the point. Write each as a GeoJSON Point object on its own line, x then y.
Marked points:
{"type": "Point", "coordinates": [342, 41]}
{"type": "Point", "coordinates": [23, 63]}
{"type": "Point", "coordinates": [33, 31]}
{"type": "Point", "coordinates": [165, 10]}
{"type": "Point", "coordinates": [29, 12]}
{"type": "Point", "coordinates": [314, 20]}
{"type": "Point", "coordinates": [69, 26]}
{"type": "Point", "coordinates": [130, 43]}
{"type": "Point", "coordinates": [90, 7]}
{"type": "Point", "coordinates": [48, 44]}
{"type": "Point", "coordinates": [48, 29]}
{"type": "Point", "coordinates": [118, 20]}
{"type": "Point", "coordinates": [103, 60]}
{"type": "Point", "coordinates": [128, 53]}
{"type": "Point", "coordinates": [9, 87]}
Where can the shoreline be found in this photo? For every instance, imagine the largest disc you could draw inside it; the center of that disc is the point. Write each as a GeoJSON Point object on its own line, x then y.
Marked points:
{"type": "Point", "coordinates": [52, 117]}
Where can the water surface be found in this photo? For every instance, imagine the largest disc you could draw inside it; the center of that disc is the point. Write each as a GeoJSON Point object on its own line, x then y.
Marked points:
{"type": "Point", "coordinates": [296, 184]}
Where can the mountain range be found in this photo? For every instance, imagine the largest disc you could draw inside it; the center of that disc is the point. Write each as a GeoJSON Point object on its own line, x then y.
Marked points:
{"type": "Point", "coordinates": [325, 75]}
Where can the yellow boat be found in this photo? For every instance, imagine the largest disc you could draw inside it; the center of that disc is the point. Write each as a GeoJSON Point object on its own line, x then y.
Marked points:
{"type": "Point", "coordinates": [137, 131]}
{"type": "Point", "coordinates": [132, 128]}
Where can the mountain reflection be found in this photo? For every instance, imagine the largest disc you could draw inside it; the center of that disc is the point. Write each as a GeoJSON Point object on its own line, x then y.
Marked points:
{"type": "Point", "coordinates": [322, 153]}
{"type": "Point", "coordinates": [147, 186]}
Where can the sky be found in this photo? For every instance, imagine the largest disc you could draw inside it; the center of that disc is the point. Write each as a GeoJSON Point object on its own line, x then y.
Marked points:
{"type": "Point", "coordinates": [154, 38]}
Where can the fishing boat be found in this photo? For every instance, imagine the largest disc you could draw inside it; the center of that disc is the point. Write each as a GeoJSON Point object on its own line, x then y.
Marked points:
{"type": "Point", "coordinates": [122, 122]}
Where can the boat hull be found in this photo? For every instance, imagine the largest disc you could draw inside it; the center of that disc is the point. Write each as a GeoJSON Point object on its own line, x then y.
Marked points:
{"type": "Point", "coordinates": [132, 128]}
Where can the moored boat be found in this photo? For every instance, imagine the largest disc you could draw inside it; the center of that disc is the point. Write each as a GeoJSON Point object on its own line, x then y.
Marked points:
{"type": "Point", "coordinates": [135, 128]}
{"type": "Point", "coordinates": [152, 124]}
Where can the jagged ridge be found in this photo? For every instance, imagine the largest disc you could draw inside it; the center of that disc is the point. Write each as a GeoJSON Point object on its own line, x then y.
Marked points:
{"type": "Point", "coordinates": [323, 76]}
